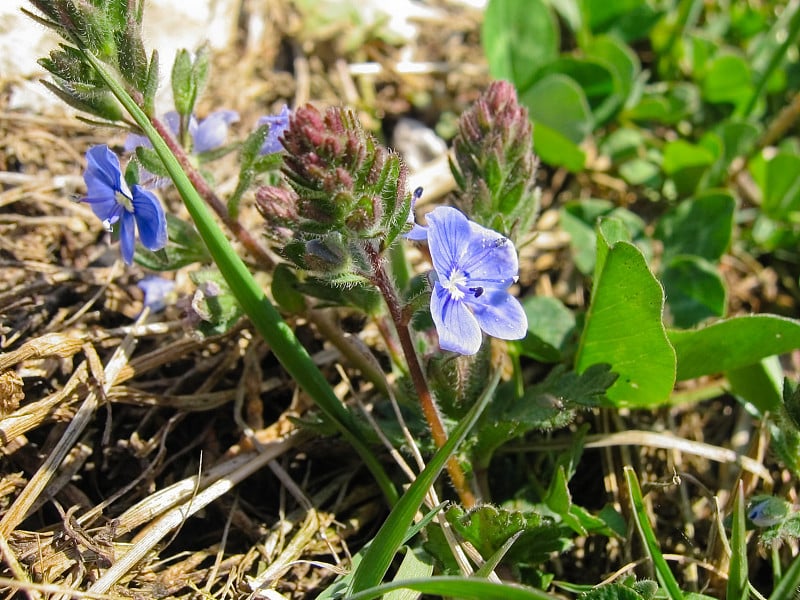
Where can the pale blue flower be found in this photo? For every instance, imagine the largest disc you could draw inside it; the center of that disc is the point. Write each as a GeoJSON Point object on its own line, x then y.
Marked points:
{"type": "Point", "coordinates": [157, 291]}
{"type": "Point", "coordinates": [208, 134]}
{"type": "Point", "coordinates": [113, 202]}
{"type": "Point", "coordinates": [277, 125]}
{"type": "Point", "coordinates": [474, 267]}
{"type": "Point", "coordinates": [418, 233]}
{"type": "Point", "coordinates": [766, 511]}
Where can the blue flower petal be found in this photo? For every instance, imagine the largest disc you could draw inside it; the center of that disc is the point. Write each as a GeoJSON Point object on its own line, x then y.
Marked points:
{"type": "Point", "coordinates": [491, 259]}
{"type": "Point", "coordinates": [458, 329]}
{"type": "Point", "coordinates": [103, 176]}
{"type": "Point", "coordinates": [277, 125]}
{"type": "Point", "coordinates": [448, 239]}
{"type": "Point", "coordinates": [500, 315]}
{"type": "Point", "coordinates": [173, 121]}
{"type": "Point", "coordinates": [134, 140]}
{"type": "Point", "coordinates": [107, 209]}
{"type": "Point", "coordinates": [213, 130]}
{"type": "Point", "coordinates": [418, 233]}
{"type": "Point", "coordinates": [150, 219]}
{"type": "Point", "coordinates": [127, 236]}
{"type": "Point", "coordinates": [156, 289]}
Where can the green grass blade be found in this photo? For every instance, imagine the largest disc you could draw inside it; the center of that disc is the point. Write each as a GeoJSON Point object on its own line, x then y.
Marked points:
{"type": "Point", "coordinates": [266, 319]}
{"type": "Point", "coordinates": [336, 590]}
{"type": "Point", "coordinates": [663, 572]}
{"type": "Point", "coordinates": [789, 583]}
{"type": "Point", "coordinates": [417, 564]}
{"type": "Point", "coordinates": [384, 546]}
{"type": "Point", "coordinates": [464, 588]}
{"type": "Point", "coordinates": [774, 60]}
{"type": "Point", "coordinates": [737, 573]}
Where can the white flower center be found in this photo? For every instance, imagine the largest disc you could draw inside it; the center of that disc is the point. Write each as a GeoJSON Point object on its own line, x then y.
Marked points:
{"type": "Point", "coordinates": [124, 201]}
{"type": "Point", "coordinates": [454, 284]}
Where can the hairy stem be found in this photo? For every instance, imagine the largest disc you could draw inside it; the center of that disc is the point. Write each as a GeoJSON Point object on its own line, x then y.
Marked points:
{"type": "Point", "coordinates": [429, 409]}
{"type": "Point", "coordinates": [201, 185]}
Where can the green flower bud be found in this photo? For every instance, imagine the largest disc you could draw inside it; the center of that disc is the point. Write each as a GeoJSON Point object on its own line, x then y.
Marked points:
{"type": "Point", "coordinates": [494, 163]}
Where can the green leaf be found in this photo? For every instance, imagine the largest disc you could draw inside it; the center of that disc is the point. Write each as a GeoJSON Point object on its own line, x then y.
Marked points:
{"type": "Point", "coordinates": [550, 325]}
{"type": "Point", "coordinates": [622, 144]}
{"type": "Point", "coordinates": [612, 591]}
{"type": "Point", "coordinates": [214, 303]}
{"type": "Point", "coordinates": [182, 89]}
{"type": "Point", "coordinates": [727, 80]}
{"type": "Point", "coordinates": [553, 148]}
{"type": "Point", "coordinates": [150, 160]}
{"type": "Point", "coordinates": [780, 185]}
{"type": "Point", "coordinates": [579, 219]}
{"type": "Point", "coordinates": [700, 226]}
{"type": "Point", "coordinates": [694, 289]}
{"type": "Point", "coordinates": [641, 171]}
{"type": "Point", "coordinates": [624, 327]}
{"type": "Point", "coordinates": [760, 384]}
{"type": "Point", "coordinates": [596, 79]}
{"type": "Point", "coordinates": [416, 564]}
{"type": "Point", "coordinates": [487, 528]}
{"type": "Point", "coordinates": [285, 290]}
{"type": "Point", "coordinates": [738, 139]}
{"type": "Point", "coordinates": [558, 102]}
{"type": "Point", "coordinates": [248, 159]}
{"type": "Point", "coordinates": [620, 58]}
{"type": "Point", "coordinates": [549, 404]}
{"type": "Point", "coordinates": [686, 163]}
{"type": "Point", "coordinates": [99, 103]}
{"type": "Point", "coordinates": [733, 343]}
{"type": "Point", "coordinates": [601, 14]}
{"type": "Point", "coordinates": [668, 107]}
{"type": "Point", "coordinates": [519, 37]}
{"type": "Point", "coordinates": [185, 247]}
{"type": "Point", "coordinates": [151, 85]}
{"type": "Point", "coordinates": [559, 500]}
{"type": "Point", "coordinates": [789, 583]}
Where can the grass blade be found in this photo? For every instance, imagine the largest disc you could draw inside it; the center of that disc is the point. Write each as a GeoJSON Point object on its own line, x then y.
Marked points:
{"type": "Point", "coordinates": [789, 583]}
{"type": "Point", "coordinates": [384, 546]}
{"type": "Point", "coordinates": [663, 572]}
{"type": "Point", "coordinates": [464, 588]}
{"type": "Point", "coordinates": [737, 573]}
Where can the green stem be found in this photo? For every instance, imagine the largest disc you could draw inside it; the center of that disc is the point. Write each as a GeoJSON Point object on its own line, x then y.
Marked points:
{"type": "Point", "coordinates": [211, 198]}
{"type": "Point", "coordinates": [266, 319]}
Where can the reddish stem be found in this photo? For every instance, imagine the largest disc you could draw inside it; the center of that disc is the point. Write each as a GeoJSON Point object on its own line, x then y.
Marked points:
{"type": "Point", "coordinates": [429, 409]}
{"type": "Point", "coordinates": [217, 205]}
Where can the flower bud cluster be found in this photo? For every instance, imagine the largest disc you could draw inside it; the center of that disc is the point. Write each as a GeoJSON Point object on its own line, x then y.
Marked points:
{"type": "Point", "coordinates": [494, 162]}
{"type": "Point", "coordinates": [345, 191]}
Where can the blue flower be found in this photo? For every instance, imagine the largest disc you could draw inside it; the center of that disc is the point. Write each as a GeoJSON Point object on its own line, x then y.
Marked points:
{"type": "Point", "coordinates": [208, 134]}
{"type": "Point", "coordinates": [156, 291]}
{"type": "Point", "coordinates": [474, 267]}
{"type": "Point", "coordinates": [113, 202]}
{"type": "Point", "coordinates": [418, 233]}
{"type": "Point", "coordinates": [277, 125]}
